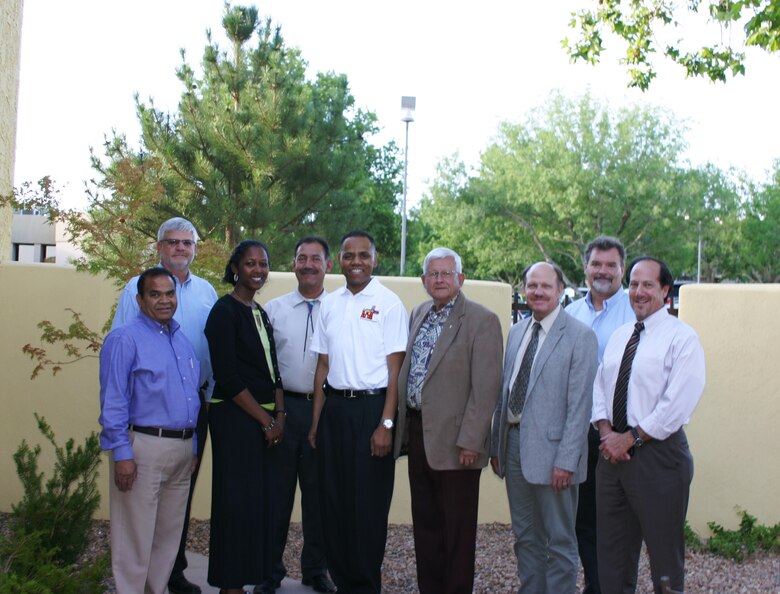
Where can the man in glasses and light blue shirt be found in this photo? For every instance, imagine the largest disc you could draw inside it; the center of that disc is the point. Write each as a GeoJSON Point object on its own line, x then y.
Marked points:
{"type": "Point", "coordinates": [604, 309]}
{"type": "Point", "coordinates": [176, 245]}
{"type": "Point", "coordinates": [293, 317]}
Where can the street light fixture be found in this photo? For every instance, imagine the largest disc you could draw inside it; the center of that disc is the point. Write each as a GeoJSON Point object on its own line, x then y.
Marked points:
{"type": "Point", "coordinates": [407, 105]}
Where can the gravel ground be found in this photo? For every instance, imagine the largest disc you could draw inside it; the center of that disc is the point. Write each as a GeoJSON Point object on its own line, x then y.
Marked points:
{"type": "Point", "coordinates": [495, 571]}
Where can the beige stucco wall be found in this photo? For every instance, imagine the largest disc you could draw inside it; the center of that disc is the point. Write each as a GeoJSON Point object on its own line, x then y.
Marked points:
{"type": "Point", "coordinates": [10, 36]}
{"type": "Point", "coordinates": [69, 401]}
{"type": "Point", "coordinates": [732, 432]}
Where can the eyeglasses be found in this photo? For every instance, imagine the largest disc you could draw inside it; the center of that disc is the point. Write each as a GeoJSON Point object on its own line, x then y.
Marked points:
{"type": "Point", "coordinates": [444, 274]}
{"type": "Point", "coordinates": [175, 242]}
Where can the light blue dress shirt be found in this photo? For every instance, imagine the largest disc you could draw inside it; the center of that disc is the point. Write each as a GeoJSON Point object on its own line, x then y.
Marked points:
{"type": "Point", "coordinates": [617, 311]}
{"type": "Point", "coordinates": [194, 300]}
{"type": "Point", "coordinates": [148, 377]}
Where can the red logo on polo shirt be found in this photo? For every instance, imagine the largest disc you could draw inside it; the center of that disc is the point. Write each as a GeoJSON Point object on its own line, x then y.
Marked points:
{"type": "Point", "coordinates": [368, 314]}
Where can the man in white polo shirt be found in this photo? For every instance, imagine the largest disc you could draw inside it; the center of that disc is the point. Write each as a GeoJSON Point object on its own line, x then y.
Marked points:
{"type": "Point", "coordinates": [361, 340]}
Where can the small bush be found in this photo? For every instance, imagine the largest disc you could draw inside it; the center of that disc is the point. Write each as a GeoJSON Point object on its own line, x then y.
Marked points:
{"type": "Point", "coordinates": [746, 540]}
{"type": "Point", "coordinates": [49, 527]}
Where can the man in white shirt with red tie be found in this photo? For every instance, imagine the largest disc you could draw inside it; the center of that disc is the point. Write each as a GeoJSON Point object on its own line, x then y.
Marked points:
{"type": "Point", "coordinates": [650, 380]}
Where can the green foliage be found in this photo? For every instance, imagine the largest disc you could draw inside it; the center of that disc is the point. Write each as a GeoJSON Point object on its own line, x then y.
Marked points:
{"type": "Point", "coordinates": [761, 230]}
{"type": "Point", "coordinates": [640, 23]}
{"type": "Point", "coordinates": [255, 149]}
{"type": "Point", "coordinates": [692, 540]}
{"type": "Point", "coordinates": [61, 507]}
{"type": "Point", "coordinates": [29, 565]}
{"type": "Point", "coordinates": [49, 527]}
{"type": "Point", "coordinates": [749, 538]}
{"type": "Point", "coordinates": [78, 341]}
{"type": "Point", "coordinates": [573, 170]}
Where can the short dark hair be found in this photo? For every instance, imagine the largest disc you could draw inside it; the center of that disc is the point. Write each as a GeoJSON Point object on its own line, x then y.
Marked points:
{"type": "Point", "coordinates": [314, 239]}
{"type": "Point", "coordinates": [555, 267]}
{"type": "Point", "coordinates": [666, 279]}
{"type": "Point", "coordinates": [238, 253]}
{"type": "Point", "coordinates": [153, 272]}
{"type": "Point", "coordinates": [605, 243]}
{"type": "Point", "coordinates": [357, 233]}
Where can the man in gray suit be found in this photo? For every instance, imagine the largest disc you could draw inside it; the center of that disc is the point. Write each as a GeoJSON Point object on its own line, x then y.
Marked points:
{"type": "Point", "coordinates": [540, 425]}
{"type": "Point", "coordinates": [447, 390]}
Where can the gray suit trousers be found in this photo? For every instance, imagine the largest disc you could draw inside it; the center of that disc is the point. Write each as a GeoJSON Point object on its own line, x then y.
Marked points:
{"type": "Point", "coordinates": [543, 525]}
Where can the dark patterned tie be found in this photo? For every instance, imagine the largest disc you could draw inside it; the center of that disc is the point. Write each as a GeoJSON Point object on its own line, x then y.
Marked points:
{"type": "Point", "coordinates": [520, 387]}
{"type": "Point", "coordinates": [620, 401]}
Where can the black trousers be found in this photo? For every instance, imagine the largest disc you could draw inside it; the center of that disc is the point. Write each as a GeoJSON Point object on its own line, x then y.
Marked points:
{"type": "Point", "coordinates": [356, 489]}
{"type": "Point", "coordinates": [646, 499]}
{"type": "Point", "coordinates": [202, 431]}
{"type": "Point", "coordinates": [586, 518]}
{"type": "Point", "coordinates": [296, 463]}
{"type": "Point", "coordinates": [444, 517]}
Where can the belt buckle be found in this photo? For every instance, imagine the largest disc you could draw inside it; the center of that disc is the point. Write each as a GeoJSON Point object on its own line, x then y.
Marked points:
{"type": "Point", "coordinates": [350, 393]}
{"type": "Point", "coordinates": [309, 396]}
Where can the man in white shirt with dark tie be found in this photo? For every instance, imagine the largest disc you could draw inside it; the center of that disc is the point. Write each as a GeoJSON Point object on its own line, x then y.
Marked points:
{"type": "Point", "coordinates": [650, 380]}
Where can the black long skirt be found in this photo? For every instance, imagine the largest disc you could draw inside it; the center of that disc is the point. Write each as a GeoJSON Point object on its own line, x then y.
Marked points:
{"type": "Point", "coordinates": [241, 539]}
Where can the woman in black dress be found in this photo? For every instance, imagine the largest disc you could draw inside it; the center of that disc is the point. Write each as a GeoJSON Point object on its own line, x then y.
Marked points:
{"type": "Point", "coordinates": [246, 421]}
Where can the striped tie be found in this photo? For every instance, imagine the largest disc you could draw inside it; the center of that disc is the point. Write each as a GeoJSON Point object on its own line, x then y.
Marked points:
{"type": "Point", "coordinates": [520, 387]}
{"type": "Point", "coordinates": [620, 401]}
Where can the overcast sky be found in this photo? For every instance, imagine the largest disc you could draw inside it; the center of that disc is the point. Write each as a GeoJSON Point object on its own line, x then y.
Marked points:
{"type": "Point", "coordinates": [470, 65]}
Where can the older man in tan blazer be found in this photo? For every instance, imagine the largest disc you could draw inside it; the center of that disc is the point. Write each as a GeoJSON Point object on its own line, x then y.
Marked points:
{"type": "Point", "coordinates": [447, 390]}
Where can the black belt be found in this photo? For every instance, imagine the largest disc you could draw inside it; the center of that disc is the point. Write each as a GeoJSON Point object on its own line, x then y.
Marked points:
{"type": "Point", "coordinates": [307, 396]}
{"type": "Point", "coordinates": [160, 432]}
{"type": "Point", "coordinates": [357, 393]}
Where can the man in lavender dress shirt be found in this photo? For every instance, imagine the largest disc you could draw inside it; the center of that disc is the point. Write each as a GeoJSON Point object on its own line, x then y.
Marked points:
{"type": "Point", "coordinates": [177, 241]}
{"type": "Point", "coordinates": [149, 378]}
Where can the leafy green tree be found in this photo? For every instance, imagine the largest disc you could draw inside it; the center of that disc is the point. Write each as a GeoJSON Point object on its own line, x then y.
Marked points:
{"type": "Point", "coordinates": [715, 212]}
{"type": "Point", "coordinates": [257, 150]}
{"type": "Point", "coordinates": [752, 23]}
{"type": "Point", "coordinates": [571, 171]}
{"type": "Point", "coordinates": [761, 230]}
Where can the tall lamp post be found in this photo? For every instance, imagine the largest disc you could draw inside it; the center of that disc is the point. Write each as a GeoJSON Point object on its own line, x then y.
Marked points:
{"type": "Point", "coordinates": [407, 105]}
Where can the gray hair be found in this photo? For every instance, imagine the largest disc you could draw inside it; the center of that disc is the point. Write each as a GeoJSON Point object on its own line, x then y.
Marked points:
{"type": "Point", "coordinates": [177, 224]}
{"type": "Point", "coordinates": [443, 252]}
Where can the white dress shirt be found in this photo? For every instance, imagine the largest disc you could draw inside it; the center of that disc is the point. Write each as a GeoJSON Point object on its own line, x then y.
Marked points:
{"type": "Point", "coordinates": [293, 332]}
{"type": "Point", "coordinates": [667, 375]}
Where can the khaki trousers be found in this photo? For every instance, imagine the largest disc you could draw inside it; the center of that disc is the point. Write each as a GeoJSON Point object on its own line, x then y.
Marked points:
{"type": "Point", "coordinates": [146, 521]}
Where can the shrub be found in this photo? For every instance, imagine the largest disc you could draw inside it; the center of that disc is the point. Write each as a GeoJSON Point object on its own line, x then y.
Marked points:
{"type": "Point", "coordinates": [49, 527]}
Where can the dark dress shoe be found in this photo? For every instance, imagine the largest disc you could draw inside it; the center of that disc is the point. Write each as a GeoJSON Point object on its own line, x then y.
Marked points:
{"type": "Point", "coordinates": [319, 583]}
{"type": "Point", "coordinates": [178, 584]}
{"type": "Point", "coordinates": [267, 587]}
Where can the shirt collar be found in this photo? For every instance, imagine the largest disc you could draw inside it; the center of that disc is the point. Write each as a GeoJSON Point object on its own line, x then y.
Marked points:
{"type": "Point", "coordinates": [301, 299]}
{"type": "Point", "coordinates": [368, 290]}
{"type": "Point", "coordinates": [549, 319]}
{"type": "Point", "coordinates": [656, 319]}
{"type": "Point", "coordinates": [176, 278]}
{"type": "Point", "coordinates": [444, 312]}
{"type": "Point", "coordinates": [171, 327]}
{"type": "Point", "coordinates": [610, 302]}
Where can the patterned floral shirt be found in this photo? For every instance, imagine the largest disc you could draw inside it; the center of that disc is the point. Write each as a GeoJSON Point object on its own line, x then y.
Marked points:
{"type": "Point", "coordinates": [422, 349]}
